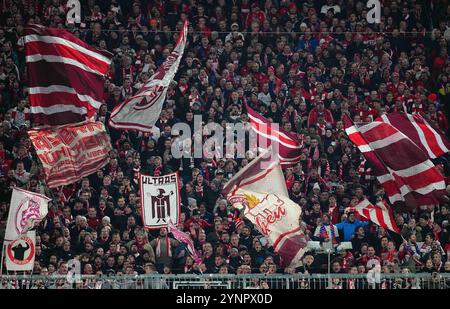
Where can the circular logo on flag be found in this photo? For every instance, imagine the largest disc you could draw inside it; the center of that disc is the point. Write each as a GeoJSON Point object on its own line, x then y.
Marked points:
{"type": "Point", "coordinates": [153, 94]}
{"type": "Point", "coordinates": [28, 213]}
{"type": "Point", "coordinates": [21, 251]}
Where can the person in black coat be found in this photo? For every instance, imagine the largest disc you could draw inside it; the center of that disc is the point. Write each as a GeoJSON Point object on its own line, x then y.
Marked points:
{"type": "Point", "coordinates": [246, 238]}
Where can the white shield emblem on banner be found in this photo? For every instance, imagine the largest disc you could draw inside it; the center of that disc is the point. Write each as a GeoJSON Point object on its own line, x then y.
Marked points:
{"type": "Point", "coordinates": [160, 199]}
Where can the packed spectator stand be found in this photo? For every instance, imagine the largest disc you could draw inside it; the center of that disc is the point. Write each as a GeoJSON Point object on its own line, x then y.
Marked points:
{"type": "Point", "coordinates": [302, 64]}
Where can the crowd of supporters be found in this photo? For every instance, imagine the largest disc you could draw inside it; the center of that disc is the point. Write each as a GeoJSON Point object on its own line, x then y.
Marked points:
{"type": "Point", "coordinates": [302, 64]}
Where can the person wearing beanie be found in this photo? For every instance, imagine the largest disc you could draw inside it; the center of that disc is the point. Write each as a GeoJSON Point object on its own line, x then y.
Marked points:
{"type": "Point", "coordinates": [348, 227]}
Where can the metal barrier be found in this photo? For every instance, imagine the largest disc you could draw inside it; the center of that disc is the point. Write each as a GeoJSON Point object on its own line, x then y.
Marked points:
{"type": "Point", "coordinates": [215, 281]}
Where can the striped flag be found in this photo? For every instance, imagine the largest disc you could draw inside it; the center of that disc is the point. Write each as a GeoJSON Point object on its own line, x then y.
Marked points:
{"type": "Point", "coordinates": [420, 131]}
{"type": "Point", "coordinates": [65, 75]}
{"type": "Point", "coordinates": [289, 148]}
{"type": "Point", "coordinates": [380, 214]}
{"type": "Point", "coordinates": [404, 170]}
{"type": "Point", "coordinates": [141, 111]}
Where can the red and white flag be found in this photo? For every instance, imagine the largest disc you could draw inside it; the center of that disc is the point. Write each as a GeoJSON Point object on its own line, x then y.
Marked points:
{"type": "Point", "coordinates": [420, 131]}
{"type": "Point", "coordinates": [71, 152]}
{"type": "Point", "coordinates": [260, 192]}
{"type": "Point", "coordinates": [141, 111]}
{"type": "Point", "coordinates": [404, 170]}
{"type": "Point", "coordinates": [380, 214]}
{"type": "Point", "coordinates": [184, 238]}
{"type": "Point", "coordinates": [26, 210]}
{"type": "Point", "coordinates": [65, 75]}
{"type": "Point", "coordinates": [289, 147]}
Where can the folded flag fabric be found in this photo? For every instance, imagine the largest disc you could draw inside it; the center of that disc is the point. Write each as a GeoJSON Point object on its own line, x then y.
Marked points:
{"type": "Point", "coordinates": [404, 170]}
{"type": "Point", "coordinates": [380, 214]}
{"type": "Point", "coordinates": [420, 131]}
{"type": "Point", "coordinates": [289, 147]}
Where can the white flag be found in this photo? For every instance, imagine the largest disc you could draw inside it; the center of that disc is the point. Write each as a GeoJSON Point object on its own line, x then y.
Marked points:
{"type": "Point", "coordinates": [20, 253]}
{"type": "Point", "coordinates": [261, 192]}
{"type": "Point", "coordinates": [160, 198]}
{"type": "Point", "coordinates": [27, 209]}
{"type": "Point", "coordinates": [141, 111]}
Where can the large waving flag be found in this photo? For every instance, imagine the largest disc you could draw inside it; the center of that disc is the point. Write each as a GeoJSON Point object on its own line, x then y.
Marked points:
{"type": "Point", "coordinates": [420, 131]}
{"type": "Point", "coordinates": [141, 111]}
{"type": "Point", "coordinates": [404, 170]}
{"type": "Point", "coordinates": [65, 75]}
{"type": "Point", "coordinates": [27, 209]}
{"type": "Point", "coordinates": [380, 214]}
{"type": "Point", "coordinates": [260, 190]}
{"type": "Point", "coordinates": [72, 151]}
{"type": "Point", "coordinates": [289, 148]}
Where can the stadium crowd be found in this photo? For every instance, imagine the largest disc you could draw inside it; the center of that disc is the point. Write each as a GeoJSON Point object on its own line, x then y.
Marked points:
{"type": "Point", "coordinates": [302, 64]}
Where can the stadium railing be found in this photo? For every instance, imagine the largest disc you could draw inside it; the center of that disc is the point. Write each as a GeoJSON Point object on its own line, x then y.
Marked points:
{"type": "Point", "coordinates": [216, 281]}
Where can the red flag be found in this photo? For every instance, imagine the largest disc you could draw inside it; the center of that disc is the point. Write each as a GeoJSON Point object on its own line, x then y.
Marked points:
{"type": "Point", "coordinates": [420, 131]}
{"type": "Point", "coordinates": [289, 148]}
{"type": "Point", "coordinates": [66, 75]}
{"type": "Point", "coordinates": [406, 173]}
{"type": "Point", "coordinates": [71, 152]}
{"type": "Point", "coordinates": [380, 214]}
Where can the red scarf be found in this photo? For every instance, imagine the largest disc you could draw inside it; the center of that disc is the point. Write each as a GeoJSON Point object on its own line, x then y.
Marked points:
{"type": "Point", "coordinates": [157, 171]}
{"type": "Point", "coordinates": [183, 88]}
{"type": "Point", "coordinates": [131, 72]}
{"type": "Point", "coordinates": [361, 167]}
{"type": "Point", "coordinates": [199, 190]}
{"type": "Point", "coordinates": [140, 244]}
{"type": "Point", "coordinates": [113, 172]}
{"type": "Point", "coordinates": [158, 247]}
{"type": "Point", "coordinates": [136, 174]}
{"type": "Point", "coordinates": [315, 155]}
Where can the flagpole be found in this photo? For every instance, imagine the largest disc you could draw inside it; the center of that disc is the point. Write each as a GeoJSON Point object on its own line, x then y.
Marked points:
{"type": "Point", "coordinates": [330, 284]}
{"type": "Point", "coordinates": [2, 259]}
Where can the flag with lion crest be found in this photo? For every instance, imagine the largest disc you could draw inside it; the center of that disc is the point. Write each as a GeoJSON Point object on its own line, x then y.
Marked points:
{"type": "Point", "coordinates": [260, 192]}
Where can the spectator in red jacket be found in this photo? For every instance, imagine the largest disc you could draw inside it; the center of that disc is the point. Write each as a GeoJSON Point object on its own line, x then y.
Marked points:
{"type": "Point", "coordinates": [320, 110]}
{"type": "Point", "coordinates": [255, 15]}
{"type": "Point", "coordinates": [369, 257]}
{"type": "Point", "coordinates": [195, 222]}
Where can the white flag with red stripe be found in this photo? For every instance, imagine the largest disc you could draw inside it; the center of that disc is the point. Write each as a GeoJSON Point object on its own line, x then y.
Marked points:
{"type": "Point", "coordinates": [420, 131]}
{"type": "Point", "coordinates": [141, 111]}
{"type": "Point", "coordinates": [289, 147]}
{"type": "Point", "coordinates": [380, 214]}
{"type": "Point", "coordinates": [65, 75]}
{"type": "Point", "coordinates": [404, 170]}
{"type": "Point", "coordinates": [259, 190]}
